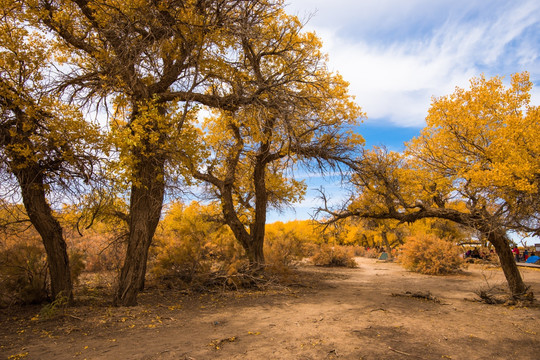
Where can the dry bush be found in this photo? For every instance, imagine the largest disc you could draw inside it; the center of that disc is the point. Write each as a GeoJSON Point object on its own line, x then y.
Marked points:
{"type": "Point", "coordinates": [23, 264]}
{"type": "Point", "coordinates": [288, 242]}
{"type": "Point", "coordinates": [189, 247]}
{"type": "Point", "coordinates": [359, 250]}
{"type": "Point", "coordinates": [194, 261]}
{"type": "Point", "coordinates": [197, 267]}
{"type": "Point", "coordinates": [191, 250]}
{"type": "Point", "coordinates": [77, 264]}
{"type": "Point", "coordinates": [309, 249]}
{"type": "Point", "coordinates": [283, 250]}
{"type": "Point", "coordinates": [23, 274]}
{"type": "Point", "coordinates": [102, 247]}
{"type": "Point", "coordinates": [428, 254]}
{"type": "Point", "coordinates": [334, 256]}
{"type": "Point", "coordinates": [180, 260]}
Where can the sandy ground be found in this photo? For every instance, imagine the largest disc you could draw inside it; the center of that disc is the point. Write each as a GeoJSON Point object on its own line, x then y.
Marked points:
{"type": "Point", "coordinates": [361, 313]}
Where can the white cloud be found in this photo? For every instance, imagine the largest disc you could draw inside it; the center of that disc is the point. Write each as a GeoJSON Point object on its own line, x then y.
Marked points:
{"type": "Point", "coordinates": [396, 69]}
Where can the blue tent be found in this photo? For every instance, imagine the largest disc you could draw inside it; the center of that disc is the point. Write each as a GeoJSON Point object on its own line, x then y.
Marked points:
{"type": "Point", "coordinates": [533, 259]}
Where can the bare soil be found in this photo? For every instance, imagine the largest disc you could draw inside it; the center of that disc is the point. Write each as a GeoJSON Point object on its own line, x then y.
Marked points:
{"type": "Point", "coordinates": [376, 311]}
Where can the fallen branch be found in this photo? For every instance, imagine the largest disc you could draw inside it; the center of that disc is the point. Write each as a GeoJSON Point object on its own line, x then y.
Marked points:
{"type": "Point", "coordinates": [419, 295]}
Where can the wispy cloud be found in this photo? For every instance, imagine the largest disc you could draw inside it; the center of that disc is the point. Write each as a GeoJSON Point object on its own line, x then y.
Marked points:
{"type": "Point", "coordinates": [398, 54]}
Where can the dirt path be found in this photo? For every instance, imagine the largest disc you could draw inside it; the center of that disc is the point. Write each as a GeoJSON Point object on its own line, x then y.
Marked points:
{"type": "Point", "coordinates": [361, 313]}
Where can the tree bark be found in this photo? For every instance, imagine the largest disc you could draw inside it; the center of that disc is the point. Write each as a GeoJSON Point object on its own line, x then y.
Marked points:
{"type": "Point", "coordinates": [255, 250]}
{"type": "Point", "coordinates": [32, 185]}
{"type": "Point", "coordinates": [508, 264]}
{"type": "Point", "coordinates": [253, 241]}
{"type": "Point", "coordinates": [146, 202]}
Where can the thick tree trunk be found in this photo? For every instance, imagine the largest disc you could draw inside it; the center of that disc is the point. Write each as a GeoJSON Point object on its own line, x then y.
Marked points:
{"type": "Point", "coordinates": [231, 218]}
{"type": "Point", "coordinates": [32, 186]}
{"type": "Point", "coordinates": [255, 250]}
{"type": "Point", "coordinates": [145, 210]}
{"type": "Point", "coordinates": [252, 242]}
{"type": "Point", "coordinates": [511, 272]}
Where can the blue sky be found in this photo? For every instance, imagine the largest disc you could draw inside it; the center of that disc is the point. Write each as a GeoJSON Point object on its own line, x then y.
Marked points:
{"type": "Point", "coordinates": [398, 54]}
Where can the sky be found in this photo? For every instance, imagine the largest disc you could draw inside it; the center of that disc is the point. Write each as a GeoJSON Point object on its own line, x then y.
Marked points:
{"type": "Point", "coordinates": [398, 54]}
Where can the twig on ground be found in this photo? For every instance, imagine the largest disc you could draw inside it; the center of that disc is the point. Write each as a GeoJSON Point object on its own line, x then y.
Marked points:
{"type": "Point", "coordinates": [75, 317]}
{"type": "Point", "coordinates": [399, 352]}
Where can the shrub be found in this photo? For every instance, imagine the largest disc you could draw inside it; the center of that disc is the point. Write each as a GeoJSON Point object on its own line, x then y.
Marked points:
{"type": "Point", "coordinates": [103, 249]}
{"type": "Point", "coordinates": [193, 259]}
{"type": "Point", "coordinates": [55, 308]}
{"type": "Point", "coordinates": [428, 254]}
{"type": "Point", "coordinates": [334, 256]}
{"type": "Point", "coordinates": [23, 274]}
{"type": "Point", "coordinates": [189, 246]}
{"type": "Point", "coordinates": [180, 260]}
{"type": "Point", "coordinates": [309, 249]}
{"type": "Point", "coordinates": [359, 250]}
{"type": "Point", "coordinates": [283, 250]}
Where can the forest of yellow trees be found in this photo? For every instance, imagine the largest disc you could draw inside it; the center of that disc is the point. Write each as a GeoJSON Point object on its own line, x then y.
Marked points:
{"type": "Point", "coordinates": [113, 112]}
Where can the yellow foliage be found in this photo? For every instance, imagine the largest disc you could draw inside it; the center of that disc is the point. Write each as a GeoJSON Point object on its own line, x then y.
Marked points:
{"type": "Point", "coordinates": [334, 256]}
{"type": "Point", "coordinates": [288, 242]}
{"type": "Point", "coordinates": [484, 139]}
{"type": "Point", "coordinates": [189, 245]}
{"type": "Point", "coordinates": [428, 254]}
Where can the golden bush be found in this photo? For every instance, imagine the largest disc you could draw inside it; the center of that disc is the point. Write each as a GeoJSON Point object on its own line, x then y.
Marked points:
{"type": "Point", "coordinates": [428, 254]}
{"type": "Point", "coordinates": [334, 256]}
{"type": "Point", "coordinates": [282, 250]}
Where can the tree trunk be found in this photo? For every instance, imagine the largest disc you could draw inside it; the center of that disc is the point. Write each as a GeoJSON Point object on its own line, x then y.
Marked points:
{"type": "Point", "coordinates": [511, 272]}
{"type": "Point", "coordinates": [145, 210]}
{"type": "Point", "coordinates": [255, 252]}
{"type": "Point", "coordinates": [32, 186]}
{"type": "Point", "coordinates": [258, 227]}
{"type": "Point", "coordinates": [253, 241]}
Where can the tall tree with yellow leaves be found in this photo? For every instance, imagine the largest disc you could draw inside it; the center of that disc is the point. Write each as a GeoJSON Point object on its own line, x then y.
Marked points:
{"type": "Point", "coordinates": [476, 163]}
{"type": "Point", "coordinates": [151, 60]}
{"type": "Point", "coordinates": [303, 117]}
{"type": "Point", "coordinates": [45, 145]}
